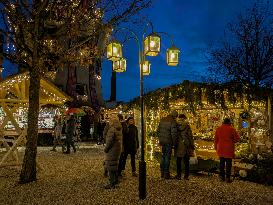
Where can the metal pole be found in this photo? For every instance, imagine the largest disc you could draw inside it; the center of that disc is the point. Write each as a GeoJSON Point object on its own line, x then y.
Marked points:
{"type": "Point", "coordinates": [142, 163]}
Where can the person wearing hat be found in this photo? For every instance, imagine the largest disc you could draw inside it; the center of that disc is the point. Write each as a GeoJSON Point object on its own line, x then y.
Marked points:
{"type": "Point", "coordinates": [167, 132]}
{"type": "Point", "coordinates": [224, 144]}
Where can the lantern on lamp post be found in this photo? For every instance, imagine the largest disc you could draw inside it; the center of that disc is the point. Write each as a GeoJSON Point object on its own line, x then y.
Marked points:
{"type": "Point", "coordinates": [149, 46]}
{"type": "Point", "coordinates": [152, 45]}
{"type": "Point", "coordinates": [172, 56]}
{"type": "Point", "coordinates": [114, 51]}
{"type": "Point", "coordinates": [119, 65]}
{"type": "Point", "coordinates": [146, 67]}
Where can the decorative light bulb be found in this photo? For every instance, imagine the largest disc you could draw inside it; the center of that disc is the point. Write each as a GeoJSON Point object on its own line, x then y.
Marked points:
{"type": "Point", "coordinates": [152, 44]}
{"type": "Point", "coordinates": [115, 50]}
{"type": "Point", "coordinates": [145, 68]}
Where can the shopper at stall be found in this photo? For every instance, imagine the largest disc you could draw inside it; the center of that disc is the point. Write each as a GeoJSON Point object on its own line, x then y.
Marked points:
{"type": "Point", "coordinates": [167, 131]}
{"type": "Point", "coordinates": [131, 144]}
{"type": "Point", "coordinates": [224, 143]}
{"type": "Point", "coordinates": [70, 131]}
{"type": "Point", "coordinates": [113, 149]}
{"type": "Point", "coordinates": [184, 146]}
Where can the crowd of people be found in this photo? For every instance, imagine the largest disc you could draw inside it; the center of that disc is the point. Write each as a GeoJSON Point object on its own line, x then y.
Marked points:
{"type": "Point", "coordinates": [65, 133]}
{"type": "Point", "coordinates": [120, 138]}
{"type": "Point", "coordinates": [176, 134]}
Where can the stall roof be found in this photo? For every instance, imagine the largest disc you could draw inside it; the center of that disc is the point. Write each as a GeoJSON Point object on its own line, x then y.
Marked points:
{"type": "Point", "coordinates": [14, 90]}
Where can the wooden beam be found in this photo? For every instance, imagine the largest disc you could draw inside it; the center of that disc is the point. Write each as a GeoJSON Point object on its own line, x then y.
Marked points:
{"type": "Point", "coordinates": [18, 91]}
{"type": "Point", "coordinates": [11, 118]}
{"type": "Point", "coordinates": [23, 89]}
{"type": "Point", "coordinates": [43, 101]}
{"type": "Point", "coordinates": [18, 142]}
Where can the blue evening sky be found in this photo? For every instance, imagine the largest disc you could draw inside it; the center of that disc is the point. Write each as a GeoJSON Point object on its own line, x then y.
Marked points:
{"type": "Point", "coordinates": [194, 24]}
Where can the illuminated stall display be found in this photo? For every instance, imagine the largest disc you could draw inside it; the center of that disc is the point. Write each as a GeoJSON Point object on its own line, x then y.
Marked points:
{"type": "Point", "coordinates": [14, 102]}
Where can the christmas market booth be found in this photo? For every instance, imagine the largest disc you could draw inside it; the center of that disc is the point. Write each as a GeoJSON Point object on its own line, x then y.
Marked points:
{"type": "Point", "coordinates": [206, 105]}
{"type": "Point", "coordinates": [14, 95]}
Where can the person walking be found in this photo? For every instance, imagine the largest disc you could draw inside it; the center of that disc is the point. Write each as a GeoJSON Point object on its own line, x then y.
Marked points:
{"type": "Point", "coordinates": [113, 150]}
{"type": "Point", "coordinates": [131, 144]}
{"type": "Point", "coordinates": [167, 131]}
{"type": "Point", "coordinates": [224, 143]}
{"type": "Point", "coordinates": [57, 135]}
{"type": "Point", "coordinates": [70, 131]}
{"type": "Point", "coordinates": [184, 146]}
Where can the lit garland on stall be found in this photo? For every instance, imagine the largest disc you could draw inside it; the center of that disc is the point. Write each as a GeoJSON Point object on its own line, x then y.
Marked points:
{"type": "Point", "coordinates": [205, 107]}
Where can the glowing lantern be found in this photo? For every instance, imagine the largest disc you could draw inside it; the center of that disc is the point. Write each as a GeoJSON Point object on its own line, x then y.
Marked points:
{"type": "Point", "coordinates": [114, 51]}
{"type": "Point", "coordinates": [145, 66]}
{"type": "Point", "coordinates": [119, 65]}
{"type": "Point", "coordinates": [173, 56]}
{"type": "Point", "coordinates": [152, 45]}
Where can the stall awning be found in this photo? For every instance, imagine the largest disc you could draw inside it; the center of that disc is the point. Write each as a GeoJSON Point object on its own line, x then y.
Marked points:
{"type": "Point", "coordinates": [14, 90]}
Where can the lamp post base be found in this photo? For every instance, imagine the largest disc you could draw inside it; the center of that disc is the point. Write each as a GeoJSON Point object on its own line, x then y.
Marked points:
{"type": "Point", "coordinates": [142, 179]}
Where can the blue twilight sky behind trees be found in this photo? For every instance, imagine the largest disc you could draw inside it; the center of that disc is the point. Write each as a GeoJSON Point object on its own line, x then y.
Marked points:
{"type": "Point", "coordinates": [194, 24]}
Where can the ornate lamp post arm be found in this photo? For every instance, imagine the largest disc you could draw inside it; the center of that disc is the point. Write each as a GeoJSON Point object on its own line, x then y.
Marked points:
{"type": "Point", "coordinates": [142, 163]}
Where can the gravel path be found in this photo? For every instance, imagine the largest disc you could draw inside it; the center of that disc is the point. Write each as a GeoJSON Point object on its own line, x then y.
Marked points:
{"type": "Point", "coordinates": [78, 179]}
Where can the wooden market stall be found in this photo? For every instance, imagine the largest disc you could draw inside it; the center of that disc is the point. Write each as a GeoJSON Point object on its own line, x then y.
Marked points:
{"type": "Point", "coordinates": [206, 106]}
{"type": "Point", "coordinates": [14, 95]}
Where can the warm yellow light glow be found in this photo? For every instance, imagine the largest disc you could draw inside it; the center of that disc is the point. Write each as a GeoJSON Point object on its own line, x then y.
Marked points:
{"type": "Point", "coordinates": [152, 45]}
{"type": "Point", "coordinates": [145, 66]}
{"type": "Point", "coordinates": [114, 51]}
{"type": "Point", "coordinates": [173, 56]}
{"type": "Point", "coordinates": [119, 65]}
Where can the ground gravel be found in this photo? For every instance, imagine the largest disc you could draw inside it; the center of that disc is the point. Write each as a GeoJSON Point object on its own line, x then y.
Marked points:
{"type": "Point", "coordinates": [78, 179]}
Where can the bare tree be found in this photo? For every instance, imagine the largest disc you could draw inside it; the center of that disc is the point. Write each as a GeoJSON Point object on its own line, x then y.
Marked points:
{"type": "Point", "coordinates": [48, 34]}
{"type": "Point", "coordinates": [246, 53]}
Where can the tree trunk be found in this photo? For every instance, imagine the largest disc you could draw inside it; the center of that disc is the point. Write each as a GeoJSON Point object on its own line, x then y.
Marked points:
{"type": "Point", "coordinates": [28, 172]}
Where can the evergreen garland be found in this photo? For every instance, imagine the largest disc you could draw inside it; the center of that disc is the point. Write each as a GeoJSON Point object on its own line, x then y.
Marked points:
{"type": "Point", "coordinates": [192, 92]}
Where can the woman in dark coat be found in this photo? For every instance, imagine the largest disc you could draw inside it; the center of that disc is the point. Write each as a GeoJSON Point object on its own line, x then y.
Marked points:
{"type": "Point", "coordinates": [184, 146]}
{"type": "Point", "coordinates": [130, 146]}
{"type": "Point", "coordinates": [113, 150]}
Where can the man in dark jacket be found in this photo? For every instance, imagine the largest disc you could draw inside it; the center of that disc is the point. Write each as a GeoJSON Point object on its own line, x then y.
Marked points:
{"type": "Point", "coordinates": [167, 131]}
{"type": "Point", "coordinates": [70, 130]}
{"type": "Point", "coordinates": [131, 144]}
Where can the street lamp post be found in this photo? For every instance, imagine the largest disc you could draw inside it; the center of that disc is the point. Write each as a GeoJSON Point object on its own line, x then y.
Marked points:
{"type": "Point", "coordinates": [149, 46]}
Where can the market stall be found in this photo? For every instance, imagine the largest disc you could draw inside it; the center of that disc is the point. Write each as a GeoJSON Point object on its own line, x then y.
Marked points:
{"type": "Point", "coordinates": [14, 97]}
{"type": "Point", "coordinates": [206, 105]}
